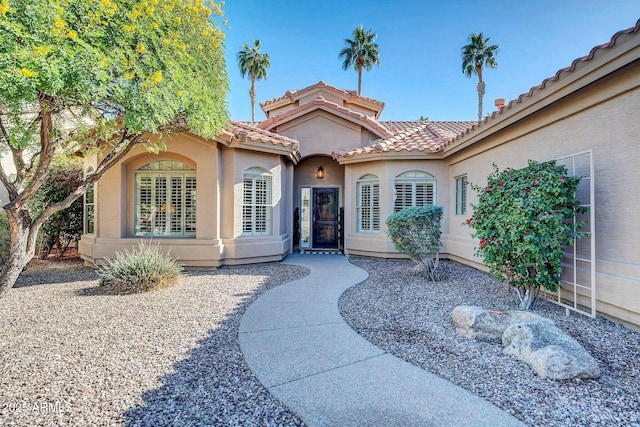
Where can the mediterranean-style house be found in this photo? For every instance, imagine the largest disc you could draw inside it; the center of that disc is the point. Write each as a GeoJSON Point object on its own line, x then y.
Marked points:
{"type": "Point", "coordinates": [322, 172]}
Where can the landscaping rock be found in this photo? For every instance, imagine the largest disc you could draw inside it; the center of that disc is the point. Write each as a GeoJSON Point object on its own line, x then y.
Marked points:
{"type": "Point", "coordinates": [488, 325]}
{"type": "Point", "coordinates": [548, 351]}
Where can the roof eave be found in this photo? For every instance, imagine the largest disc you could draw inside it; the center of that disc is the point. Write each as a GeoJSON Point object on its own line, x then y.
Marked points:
{"type": "Point", "coordinates": [291, 153]}
{"type": "Point", "coordinates": [388, 155]}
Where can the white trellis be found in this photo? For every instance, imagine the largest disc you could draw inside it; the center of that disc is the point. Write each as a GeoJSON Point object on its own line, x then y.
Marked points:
{"type": "Point", "coordinates": [578, 278]}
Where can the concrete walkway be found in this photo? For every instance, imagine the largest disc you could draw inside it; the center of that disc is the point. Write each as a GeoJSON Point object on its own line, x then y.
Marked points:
{"type": "Point", "coordinates": [296, 342]}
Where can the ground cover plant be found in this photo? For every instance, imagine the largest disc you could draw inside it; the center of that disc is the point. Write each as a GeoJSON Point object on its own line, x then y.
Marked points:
{"type": "Point", "coordinates": [524, 218]}
{"type": "Point", "coordinates": [139, 270]}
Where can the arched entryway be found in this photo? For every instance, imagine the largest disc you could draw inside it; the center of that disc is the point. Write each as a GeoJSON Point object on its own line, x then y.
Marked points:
{"type": "Point", "coordinates": [318, 186]}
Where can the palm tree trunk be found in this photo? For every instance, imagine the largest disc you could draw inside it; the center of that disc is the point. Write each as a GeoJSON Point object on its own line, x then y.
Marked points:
{"type": "Point", "coordinates": [359, 80]}
{"type": "Point", "coordinates": [252, 95]}
{"type": "Point", "coordinates": [481, 87]}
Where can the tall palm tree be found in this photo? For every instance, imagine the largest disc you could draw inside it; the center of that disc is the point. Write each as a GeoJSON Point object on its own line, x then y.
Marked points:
{"type": "Point", "coordinates": [254, 64]}
{"type": "Point", "coordinates": [362, 52]}
{"type": "Point", "coordinates": [475, 56]}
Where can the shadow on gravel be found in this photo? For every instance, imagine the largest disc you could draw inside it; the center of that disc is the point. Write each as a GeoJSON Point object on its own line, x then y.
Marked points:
{"type": "Point", "coordinates": [214, 386]}
{"type": "Point", "coordinates": [53, 277]}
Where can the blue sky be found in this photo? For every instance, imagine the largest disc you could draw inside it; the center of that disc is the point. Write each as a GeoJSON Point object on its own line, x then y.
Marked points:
{"type": "Point", "coordinates": [420, 42]}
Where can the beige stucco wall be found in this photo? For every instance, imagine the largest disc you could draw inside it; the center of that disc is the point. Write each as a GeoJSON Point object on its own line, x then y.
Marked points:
{"type": "Point", "coordinates": [379, 244]}
{"type": "Point", "coordinates": [114, 206]}
{"type": "Point", "coordinates": [321, 132]}
{"type": "Point", "coordinates": [219, 237]}
{"type": "Point", "coordinates": [239, 248]}
{"type": "Point", "coordinates": [329, 95]}
{"type": "Point", "coordinates": [602, 117]}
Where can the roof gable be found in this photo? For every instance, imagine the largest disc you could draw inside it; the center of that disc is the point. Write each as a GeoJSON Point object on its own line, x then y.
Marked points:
{"type": "Point", "coordinates": [362, 119]}
{"type": "Point", "coordinates": [346, 98]}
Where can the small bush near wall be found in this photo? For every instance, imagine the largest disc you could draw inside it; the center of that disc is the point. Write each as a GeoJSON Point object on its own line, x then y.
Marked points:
{"type": "Point", "coordinates": [523, 219]}
{"type": "Point", "coordinates": [140, 270]}
{"type": "Point", "coordinates": [64, 228]}
{"type": "Point", "coordinates": [415, 231]}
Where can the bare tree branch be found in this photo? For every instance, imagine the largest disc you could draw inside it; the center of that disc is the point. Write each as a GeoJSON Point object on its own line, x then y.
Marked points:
{"type": "Point", "coordinates": [4, 178]}
{"type": "Point", "coordinates": [5, 134]}
{"type": "Point", "coordinates": [47, 150]}
{"type": "Point", "coordinates": [120, 150]}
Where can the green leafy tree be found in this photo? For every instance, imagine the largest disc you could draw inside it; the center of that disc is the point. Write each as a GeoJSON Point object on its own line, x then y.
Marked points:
{"type": "Point", "coordinates": [361, 53]}
{"type": "Point", "coordinates": [254, 64]}
{"type": "Point", "coordinates": [415, 231]}
{"type": "Point", "coordinates": [64, 227]}
{"type": "Point", "coordinates": [524, 218]}
{"type": "Point", "coordinates": [475, 56]}
{"type": "Point", "coordinates": [82, 75]}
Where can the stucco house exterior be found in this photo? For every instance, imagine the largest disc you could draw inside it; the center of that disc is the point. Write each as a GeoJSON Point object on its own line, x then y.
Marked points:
{"type": "Point", "coordinates": [322, 172]}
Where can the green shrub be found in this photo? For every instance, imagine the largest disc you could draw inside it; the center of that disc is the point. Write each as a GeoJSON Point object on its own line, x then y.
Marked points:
{"type": "Point", "coordinates": [63, 228]}
{"type": "Point", "coordinates": [523, 219]}
{"type": "Point", "coordinates": [139, 270]}
{"type": "Point", "coordinates": [415, 231]}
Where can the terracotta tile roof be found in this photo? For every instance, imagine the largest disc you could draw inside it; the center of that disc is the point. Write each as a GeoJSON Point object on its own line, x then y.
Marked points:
{"type": "Point", "coordinates": [424, 136]}
{"type": "Point", "coordinates": [348, 94]}
{"type": "Point", "coordinates": [247, 131]}
{"type": "Point", "coordinates": [561, 73]}
{"type": "Point", "coordinates": [361, 118]}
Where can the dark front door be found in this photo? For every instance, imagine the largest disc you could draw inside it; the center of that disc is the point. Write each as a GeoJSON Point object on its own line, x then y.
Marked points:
{"type": "Point", "coordinates": [325, 218]}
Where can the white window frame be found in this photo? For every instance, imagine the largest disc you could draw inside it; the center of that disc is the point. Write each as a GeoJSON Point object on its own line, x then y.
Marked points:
{"type": "Point", "coordinates": [89, 207]}
{"type": "Point", "coordinates": [414, 188]}
{"type": "Point", "coordinates": [170, 206]}
{"type": "Point", "coordinates": [368, 204]}
{"type": "Point", "coordinates": [460, 198]}
{"type": "Point", "coordinates": [257, 208]}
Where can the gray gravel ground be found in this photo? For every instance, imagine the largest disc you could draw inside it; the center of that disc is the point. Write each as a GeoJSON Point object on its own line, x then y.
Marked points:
{"type": "Point", "coordinates": [410, 318]}
{"type": "Point", "coordinates": [70, 356]}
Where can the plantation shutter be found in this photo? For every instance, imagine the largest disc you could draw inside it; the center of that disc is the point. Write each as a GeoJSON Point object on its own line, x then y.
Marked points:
{"type": "Point", "coordinates": [247, 205]}
{"type": "Point", "coordinates": [424, 194]}
{"type": "Point", "coordinates": [414, 189]}
{"type": "Point", "coordinates": [165, 199]}
{"type": "Point", "coordinates": [256, 209]}
{"type": "Point", "coordinates": [403, 196]}
{"type": "Point", "coordinates": [368, 204]}
{"type": "Point", "coordinates": [375, 208]}
{"type": "Point", "coordinates": [190, 204]}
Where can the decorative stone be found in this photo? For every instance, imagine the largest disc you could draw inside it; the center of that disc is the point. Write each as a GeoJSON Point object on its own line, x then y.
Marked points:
{"type": "Point", "coordinates": [548, 351]}
{"type": "Point", "coordinates": [488, 325]}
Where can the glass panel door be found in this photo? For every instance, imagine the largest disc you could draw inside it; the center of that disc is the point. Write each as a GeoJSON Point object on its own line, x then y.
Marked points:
{"type": "Point", "coordinates": [305, 218]}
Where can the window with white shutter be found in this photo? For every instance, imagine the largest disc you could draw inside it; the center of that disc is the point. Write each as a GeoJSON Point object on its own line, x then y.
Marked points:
{"type": "Point", "coordinates": [256, 202]}
{"type": "Point", "coordinates": [414, 188]}
{"type": "Point", "coordinates": [368, 204]}
{"type": "Point", "coordinates": [165, 199]}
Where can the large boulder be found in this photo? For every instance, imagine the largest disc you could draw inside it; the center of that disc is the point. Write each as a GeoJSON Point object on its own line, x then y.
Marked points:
{"type": "Point", "coordinates": [488, 325]}
{"type": "Point", "coordinates": [548, 351]}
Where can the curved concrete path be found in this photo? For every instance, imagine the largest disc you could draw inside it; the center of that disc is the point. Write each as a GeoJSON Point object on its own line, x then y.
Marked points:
{"type": "Point", "coordinates": [296, 342]}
